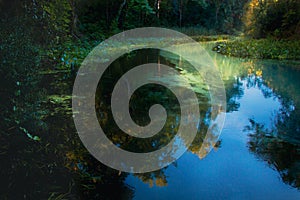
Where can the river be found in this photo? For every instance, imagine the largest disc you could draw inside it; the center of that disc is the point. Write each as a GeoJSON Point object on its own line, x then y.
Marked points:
{"type": "Point", "coordinates": [257, 155]}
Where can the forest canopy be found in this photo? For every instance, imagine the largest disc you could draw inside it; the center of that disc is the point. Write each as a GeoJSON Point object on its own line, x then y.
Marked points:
{"type": "Point", "coordinates": [99, 19]}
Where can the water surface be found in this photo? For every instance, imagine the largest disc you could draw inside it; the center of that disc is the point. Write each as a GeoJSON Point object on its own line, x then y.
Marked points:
{"type": "Point", "coordinates": [256, 157]}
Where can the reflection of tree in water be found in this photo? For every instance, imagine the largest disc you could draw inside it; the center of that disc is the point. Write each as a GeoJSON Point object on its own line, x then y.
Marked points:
{"type": "Point", "coordinates": [248, 76]}
{"type": "Point", "coordinates": [140, 103]}
{"type": "Point", "coordinates": [157, 178]}
{"type": "Point", "coordinates": [285, 87]}
{"type": "Point", "coordinates": [234, 91]}
{"type": "Point", "coordinates": [279, 153]}
{"type": "Point", "coordinates": [202, 149]}
{"type": "Point", "coordinates": [90, 179]}
{"type": "Point", "coordinates": [279, 145]}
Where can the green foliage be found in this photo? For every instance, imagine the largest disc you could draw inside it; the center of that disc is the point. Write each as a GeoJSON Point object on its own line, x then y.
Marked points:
{"type": "Point", "coordinates": [96, 17]}
{"type": "Point", "coordinates": [138, 14]}
{"type": "Point", "coordinates": [20, 58]}
{"type": "Point", "coordinates": [260, 49]}
{"type": "Point", "coordinates": [59, 18]}
{"type": "Point", "coordinates": [70, 54]}
{"type": "Point", "coordinates": [276, 18]}
{"type": "Point", "coordinates": [104, 18]}
{"type": "Point", "coordinates": [224, 15]}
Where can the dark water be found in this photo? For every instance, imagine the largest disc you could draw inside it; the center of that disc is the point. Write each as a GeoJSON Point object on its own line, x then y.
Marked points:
{"type": "Point", "coordinates": [256, 157]}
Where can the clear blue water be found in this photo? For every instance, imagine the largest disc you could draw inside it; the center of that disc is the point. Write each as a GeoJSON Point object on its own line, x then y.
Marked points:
{"type": "Point", "coordinates": [234, 170]}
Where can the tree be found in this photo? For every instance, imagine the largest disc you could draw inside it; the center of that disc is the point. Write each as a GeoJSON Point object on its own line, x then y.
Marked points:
{"type": "Point", "coordinates": [276, 18]}
{"type": "Point", "coordinates": [138, 13]}
{"type": "Point", "coordinates": [62, 17]}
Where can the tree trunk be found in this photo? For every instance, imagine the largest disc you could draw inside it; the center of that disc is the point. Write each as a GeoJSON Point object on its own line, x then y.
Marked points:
{"type": "Point", "coordinates": [157, 6]}
{"type": "Point", "coordinates": [180, 13]}
{"type": "Point", "coordinates": [119, 17]}
{"type": "Point", "coordinates": [74, 19]}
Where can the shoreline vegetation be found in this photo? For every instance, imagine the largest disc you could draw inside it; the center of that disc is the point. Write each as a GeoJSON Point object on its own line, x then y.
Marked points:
{"type": "Point", "coordinates": [75, 51]}
{"type": "Point", "coordinates": [238, 45]}
{"type": "Point", "coordinates": [260, 48]}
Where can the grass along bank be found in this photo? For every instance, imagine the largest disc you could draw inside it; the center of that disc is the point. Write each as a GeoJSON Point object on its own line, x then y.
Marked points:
{"type": "Point", "coordinates": [260, 48]}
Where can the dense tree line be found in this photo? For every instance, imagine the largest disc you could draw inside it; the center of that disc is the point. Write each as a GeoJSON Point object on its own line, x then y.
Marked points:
{"type": "Point", "coordinates": [222, 15]}
{"type": "Point", "coordinates": [72, 17]}
{"type": "Point", "coordinates": [101, 18]}
{"type": "Point", "coordinates": [275, 18]}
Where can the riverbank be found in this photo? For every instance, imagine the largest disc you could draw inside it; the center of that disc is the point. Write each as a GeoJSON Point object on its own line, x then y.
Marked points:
{"type": "Point", "coordinates": [260, 48]}
{"type": "Point", "coordinates": [70, 55]}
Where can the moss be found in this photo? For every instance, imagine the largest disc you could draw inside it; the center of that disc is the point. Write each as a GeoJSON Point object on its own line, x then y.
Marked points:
{"type": "Point", "coordinates": [260, 49]}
